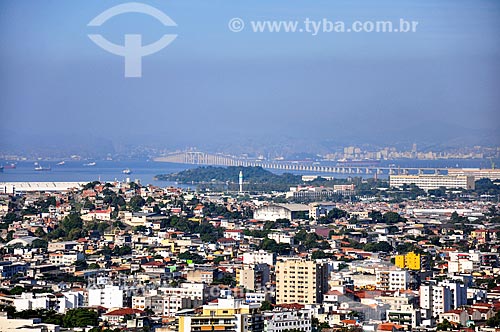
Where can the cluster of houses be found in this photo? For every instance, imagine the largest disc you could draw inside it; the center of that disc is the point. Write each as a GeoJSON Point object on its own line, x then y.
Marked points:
{"type": "Point", "coordinates": [168, 259]}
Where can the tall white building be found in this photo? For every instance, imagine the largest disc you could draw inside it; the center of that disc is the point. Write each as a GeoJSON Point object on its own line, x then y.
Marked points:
{"type": "Point", "coordinates": [392, 279]}
{"type": "Point", "coordinates": [443, 297]}
{"type": "Point", "coordinates": [109, 296]}
{"type": "Point", "coordinates": [69, 300]}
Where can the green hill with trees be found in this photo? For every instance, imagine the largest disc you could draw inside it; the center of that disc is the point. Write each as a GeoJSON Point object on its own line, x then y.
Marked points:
{"type": "Point", "coordinates": [255, 178]}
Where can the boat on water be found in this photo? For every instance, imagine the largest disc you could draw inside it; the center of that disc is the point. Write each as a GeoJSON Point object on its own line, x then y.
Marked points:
{"type": "Point", "coordinates": [9, 166]}
{"type": "Point", "coordinates": [39, 167]}
{"type": "Point", "coordinates": [126, 171]}
{"type": "Point", "coordinates": [90, 164]}
{"type": "Point", "coordinates": [61, 163]}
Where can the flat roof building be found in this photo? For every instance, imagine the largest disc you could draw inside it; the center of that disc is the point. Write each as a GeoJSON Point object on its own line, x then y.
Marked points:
{"type": "Point", "coordinates": [477, 173]}
{"type": "Point", "coordinates": [433, 181]}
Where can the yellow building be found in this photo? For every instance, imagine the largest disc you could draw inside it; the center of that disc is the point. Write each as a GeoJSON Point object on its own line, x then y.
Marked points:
{"type": "Point", "coordinates": [224, 314]}
{"type": "Point", "coordinates": [411, 260]}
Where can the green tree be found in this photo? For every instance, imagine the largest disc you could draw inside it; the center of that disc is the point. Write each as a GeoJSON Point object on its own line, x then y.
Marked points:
{"type": "Point", "coordinates": [121, 251]}
{"type": "Point", "coordinates": [136, 203]}
{"type": "Point", "coordinates": [80, 318]}
{"type": "Point", "coordinates": [272, 246]}
{"type": "Point", "coordinates": [39, 232]}
{"type": "Point", "coordinates": [376, 216]}
{"type": "Point", "coordinates": [9, 218]}
{"type": "Point", "coordinates": [72, 221]}
{"type": "Point", "coordinates": [392, 218]}
{"type": "Point", "coordinates": [17, 290]}
{"type": "Point", "coordinates": [266, 306]}
{"type": "Point", "coordinates": [75, 234]}
{"type": "Point", "coordinates": [39, 243]}
{"type": "Point", "coordinates": [187, 255]}
{"type": "Point", "coordinates": [382, 246]}
{"type": "Point", "coordinates": [444, 325]}
{"type": "Point", "coordinates": [318, 254]}
{"type": "Point", "coordinates": [88, 205]}
{"type": "Point", "coordinates": [494, 321]}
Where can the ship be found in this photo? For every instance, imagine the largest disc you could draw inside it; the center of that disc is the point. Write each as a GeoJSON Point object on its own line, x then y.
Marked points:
{"type": "Point", "coordinates": [358, 162]}
{"type": "Point", "coordinates": [39, 167]}
{"type": "Point", "coordinates": [9, 166]}
{"type": "Point", "coordinates": [126, 171]}
{"type": "Point", "coordinates": [90, 164]}
{"type": "Point", "coordinates": [61, 163]}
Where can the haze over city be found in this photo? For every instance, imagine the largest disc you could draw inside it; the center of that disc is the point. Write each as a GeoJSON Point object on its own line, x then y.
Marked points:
{"type": "Point", "coordinates": [226, 91]}
{"type": "Point", "coordinates": [249, 165]}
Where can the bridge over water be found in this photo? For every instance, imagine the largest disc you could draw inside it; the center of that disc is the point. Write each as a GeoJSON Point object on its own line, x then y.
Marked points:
{"type": "Point", "coordinates": [201, 158]}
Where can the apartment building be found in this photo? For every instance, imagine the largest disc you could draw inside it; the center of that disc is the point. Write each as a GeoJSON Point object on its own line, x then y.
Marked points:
{"type": "Point", "coordinates": [288, 320]}
{"type": "Point", "coordinates": [254, 277]}
{"type": "Point", "coordinates": [411, 260]}
{"type": "Point", "coordinates": [259, 257]}
{"type": "Point", "coordinates": [392, 279]}
{"type": "Point", "coordinates": [406, 315]}
{"type": "Point", "coordinates": [109, 296]}
{"type": "Point", "coordinates": [443, 297]}
{"type": "Point", "coordinates": [301, 281]}
{"type": "Point", "coordinates": [164, 305]}
{"type": "Point", "coordinates": [65, 258]}
{"type": "Point", "coordinates": [197, 292]}
{"type": "Point", "coordinates": [223, 314]}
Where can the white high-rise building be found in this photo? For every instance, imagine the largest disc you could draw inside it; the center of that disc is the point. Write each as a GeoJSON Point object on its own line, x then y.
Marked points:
{"type": "Point", "coordinates": [443, 297]}
{"type": "Point", "coordinates": [392, 279]}
{"type": "Point", "coordinates": [435, 299]}
{"type": "Point", "coordinates": [109, 297]}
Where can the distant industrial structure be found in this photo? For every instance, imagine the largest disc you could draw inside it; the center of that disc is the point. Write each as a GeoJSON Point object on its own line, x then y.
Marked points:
{"type": "Point", "coordinates": [477, 173]}
{"type": "Point", "coordinates": [274, 212]}
{"type": "Point", "coordinates": [23, 187]}
{"type": "Point", "coordinates": [433, 181]}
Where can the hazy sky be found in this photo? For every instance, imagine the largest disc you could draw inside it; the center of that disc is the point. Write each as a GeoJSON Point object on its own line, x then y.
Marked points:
{"type": "Point", "coordinates": [213, 87]}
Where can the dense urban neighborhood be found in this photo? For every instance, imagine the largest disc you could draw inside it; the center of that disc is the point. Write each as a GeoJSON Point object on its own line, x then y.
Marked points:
{"type": "Point", "coordinates": [329, 255]}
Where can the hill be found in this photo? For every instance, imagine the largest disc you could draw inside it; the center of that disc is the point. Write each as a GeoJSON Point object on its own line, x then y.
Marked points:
{"type": "Point", "coordinates": [255, 178]}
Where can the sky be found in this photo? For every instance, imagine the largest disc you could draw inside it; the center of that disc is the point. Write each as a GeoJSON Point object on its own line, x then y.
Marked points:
{"type": "Point", "coordinates": [221, 90]}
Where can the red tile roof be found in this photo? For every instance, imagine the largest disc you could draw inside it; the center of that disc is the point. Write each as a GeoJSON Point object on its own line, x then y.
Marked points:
{"type": "Point", "coordinates": [124, 311]}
